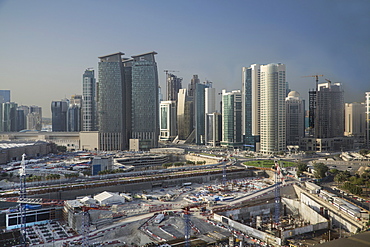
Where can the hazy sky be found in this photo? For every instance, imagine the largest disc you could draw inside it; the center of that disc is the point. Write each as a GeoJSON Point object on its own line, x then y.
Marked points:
{"type": "Point", "coordinates": [45, 46]}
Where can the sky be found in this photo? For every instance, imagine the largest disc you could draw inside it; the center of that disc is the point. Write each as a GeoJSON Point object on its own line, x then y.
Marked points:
{"type": "Point", "coordinates": [45, 46]}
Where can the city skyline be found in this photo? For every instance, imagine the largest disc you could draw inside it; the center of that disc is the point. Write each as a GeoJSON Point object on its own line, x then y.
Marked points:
{"type": "Point", "coordinates": [44, 53]}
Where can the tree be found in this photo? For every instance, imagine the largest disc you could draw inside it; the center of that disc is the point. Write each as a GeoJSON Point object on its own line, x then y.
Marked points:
{"type": "Point", "coordinates": [301, 167]}
{"type": "Point", "coordinates": [320, 170]}
{"type": "Point", "coordinates": [340, 177]}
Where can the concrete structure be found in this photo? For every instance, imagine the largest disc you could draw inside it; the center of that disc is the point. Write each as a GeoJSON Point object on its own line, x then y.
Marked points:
{"type": "Point", "coordinates": [59, 115]}
{"type": "Point", "coordinates": [193, 82]}
{"type": "Point", "coordinates": [168, 120]}
{"type": "Point", "coordinates": [145, 102]}
{"type": "Point", "coordinates": [355, 122]}
{"type": "Point", "coordinates": [272, 108]}
{"type": "Point", "coordinates": [327, 144]}
{"type": "Point", "coordinates": [294, 118]}
{"type": "Point", "coordinates": [34, 118]}
{"type": "Point", "coordinates": [232, 134]}
{"type": "Point", "coordinates": [101, 163]}
{"type": "Point", "coordinates": [89, 115]}
{"type": "Point", "coordinates": [13, 150]}
{"type": "Point", "coordinates": [173, 86]}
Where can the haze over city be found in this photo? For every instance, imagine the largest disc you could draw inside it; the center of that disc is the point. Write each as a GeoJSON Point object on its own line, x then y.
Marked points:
{"type": "Point", "coordinates": [47, 45]}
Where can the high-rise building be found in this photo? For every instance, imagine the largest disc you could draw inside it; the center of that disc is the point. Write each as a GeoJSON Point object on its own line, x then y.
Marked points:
{"type": "Point", "coordinates": [145, 104]}
{"type": "Point", "coordinates": [355, 122]}
{"type": "Point", "coordinates": [89, 115]}
{"type": "Point", "coordinates": [209, 100]}
{"type": "Point", "coordinates": [232, 134]}
{"type": "Point", "coordinates": [22, 112]}
{"type": "Point", "coordinates": [250, 104]}
{"type": "Point", "coordinates": [173, 86]}
{"type": "Point", "coordinates": [8, 117]}
{"type": "Point", "coordinates": [327, 111]}
{"type": "Point", "coordinates": [34, 118]}
{"type": "Point", "coordinates": [213, 133]}
{"type": "Point", "coordinates": [168, 120]}
{"type": "Point", "coordinates": [74, 114]}
{"type": "Point", "coordinates": [272, 108]}
{"type": "Point", "coordinates": [59, 115]}
{"type": "Point", "coordinates": [199, 110]}
{"type": "Point", "coordinates": [4, 96]}
{"type": "Point", "coordinates": [367, 106]}
{"type": "Point", "coordinates": [295, 115]}
{"type": "Point", "coordinates": [112, 96]}
{"type": "Point", "coordinates": [184, 115]}
{"type": "Point", "coordinates": [194, 81]}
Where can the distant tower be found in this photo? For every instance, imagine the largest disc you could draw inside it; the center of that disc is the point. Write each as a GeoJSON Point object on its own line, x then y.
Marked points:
{"type": "Point", "coordinates": [74, 114]}
{"type": "Point", "coordinates": [8, 117]}
{"type": "Point", "coordinates": [294, 118]}
{"type": "Point", "coordinates": [272, 108]}
{"type": "Point", "coordinates": [199, 110]}
{"type": "Point", "coordinates": [4, 96]}
{"type": "Point", "coordinates": [213, 131]}
{"type": "Point", "coordinates": [89, 120]}
{"type": "Point", "coordinates": [327, 111]}
{"type": "Point", "coordinates": [195, 80]}
{"type": "Point", "coordinates": [173, 86]}
{"type": "Point", "coordinates": [184, 115]}
{"type": "Point", "coordinates": [232, 134]}
{"type": "Point", "coordinates": [145, 103]}
{"type": "Point", "coordinates": [34, 118]}
{"type": "Point", "coordinates": [59, 115]}
{"type": "Point", "coordinates": [168, 120]}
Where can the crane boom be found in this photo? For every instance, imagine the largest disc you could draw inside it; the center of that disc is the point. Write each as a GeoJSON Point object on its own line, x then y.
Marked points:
{"type": "Point", "coordinates": [317, 79]}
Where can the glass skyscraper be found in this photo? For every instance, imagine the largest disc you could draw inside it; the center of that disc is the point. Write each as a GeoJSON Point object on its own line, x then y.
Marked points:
{"type": "Point", "coordinates": [89, 101]}
{"type": "Point", "coordinates": [145, 102]}
{"type": "Point", "coordinates": [232, 134]}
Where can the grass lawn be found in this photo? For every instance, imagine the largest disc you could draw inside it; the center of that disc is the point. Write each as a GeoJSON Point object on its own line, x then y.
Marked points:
{"type": "Point", "coordinates": [269, 163]}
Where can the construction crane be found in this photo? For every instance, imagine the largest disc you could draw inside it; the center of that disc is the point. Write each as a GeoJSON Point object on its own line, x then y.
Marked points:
{"type": "Point", "coordinates": [277, 194]}
{"type": "Point", "coordinates": [187, 226]}
{"type": "Point", "coordinates": [317, 79]}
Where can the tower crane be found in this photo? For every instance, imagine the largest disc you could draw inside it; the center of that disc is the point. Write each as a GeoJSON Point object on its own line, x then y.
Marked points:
{"type": "Point", "coordinates": [22, 199]}
{"type": "Point", "coordinates": [166, 71]}
{"type": "Point", "coordinates": [317, 79]}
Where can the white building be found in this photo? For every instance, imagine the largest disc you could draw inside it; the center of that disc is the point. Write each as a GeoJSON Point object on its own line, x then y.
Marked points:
{"type": "Point", "coordinates": [294, 118]}
{"type": "Point", "coordinates": [109, 198]}
{"type": "Point", "coordinates": [272, 108]}
{"type": "Point", "coordinates": [168, 120]}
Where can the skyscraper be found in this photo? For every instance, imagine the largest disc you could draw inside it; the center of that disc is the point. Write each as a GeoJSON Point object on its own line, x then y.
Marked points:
{"type": "Point", "coordinates": [34, 118]}
{"type": "Point", "coordinates": [59, 115]}
{"type": "Point", "coordinates": [173, 86]}
{"type": "Point", "coordinates": [111, 103]}
{"type": "Point", "coordinates": [22, 112]}
{"type": "Point", "coordinates": [194, 81]}
{"type": "Point", "coordinates": [294, 118]}
{"type": "Point", "coordinates": [89, 120]}
{"type": "Point", "coordinates": [74, 114]}
{"type": "Point", "coordinates": [145, 103]}
{"type": "Point", "coordinates": [8, 117]}
{"type": "Point", "coordinates": [4, 96]}
{"type": "Point", "coordinates": [184, 115]}
{"type": "Point", "coordinates": [168, 120]}
{"type": "Point", "coordinates": [355, 122]}
{"type": "Point", "coordinates": [232, 134]}
{"type": "Point", "coordinates": [199, 110]}
{"type": "Point", "coordinates": [272, 108]}
{"type": "Point", "coordinates": [327, 111]}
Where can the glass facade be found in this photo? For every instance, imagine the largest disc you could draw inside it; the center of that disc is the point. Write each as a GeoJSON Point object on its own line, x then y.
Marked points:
{"type": "Point", "coordinates": [145, 112]}
{"type": "Point", "coordinates": [248, 138]}
{"type": "Point", "coordinates": [232, 119]}
{"type": "Point", "coordinates": [89, 101]}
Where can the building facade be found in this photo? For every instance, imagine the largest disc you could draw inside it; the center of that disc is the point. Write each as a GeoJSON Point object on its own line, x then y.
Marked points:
{"type": "Point", "coordinates": [89, 115]}
{"type": "Point", "coordinates": [168, 120]}
{"type": "Point", "coordinates": [213, 132]}
{"type": "Point", "coordinates": [355, 121]}
{"type": "Point", "coordinates": [272, 108]}
{"type": "Point", "coordinates": [367, 106]}
{"type": "Point", "coordinates": [4, 96]}
{"type": "Point", "coordinates": [200, 111]}
{"type": "Point", "coordinates": [59, 111]}
{"type": "Point", "coordinates": [145, 102]}
{"type": "Point", "coordinates": [184, 115]}
{"type": "Point", "coordinates": [295, 115]}
{"type": "Point", "coordinates": [232, 134]}
{"type": "Point", "coordinates": [174, 84]}
{"type": "Point", "coordinates": [8, 116]}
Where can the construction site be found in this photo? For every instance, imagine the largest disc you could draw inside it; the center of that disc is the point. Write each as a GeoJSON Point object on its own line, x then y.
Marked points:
{"type": "Point", "coordinates": [254, 207]}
